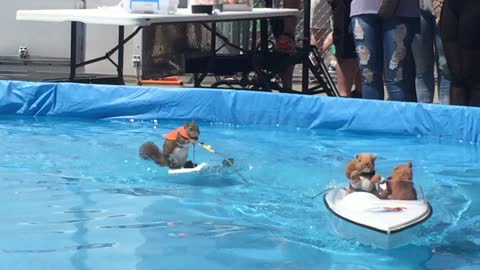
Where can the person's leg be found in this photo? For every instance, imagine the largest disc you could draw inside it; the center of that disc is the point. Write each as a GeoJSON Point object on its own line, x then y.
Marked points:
{"type": "Point", "coordinates": [287, 77]}
{"type": "Point", "coordinates": [287, 40]}
{"type": "Point", "coordinates": [283, 30]}
{"type": "Point", "coordinates": [327, 43]}
{"type": "Point", "coordinates": [442, 70]}
{"type": "Point", "coordinates": [398, 60]}
{"type": "Point", "coordinates": [458, 95]}
{"type": "Point", "coordinates": [469, 43]}
{"type": "Point", "coordinates": [470, 60]}
{"type": "Point", "coordinates": [347, 70]}
{"type": "Point", "coordinates": [422, 49]}
{"type": "Point", "coordinates": [347, 64]}
{"type": "Point", "coordinates": [315, 26]}
{"type": "Point", "coordinates": [474, 93]}
{"type": "Point", "coordinates": [291, 22]}
{"type": "Point", "coordinates": [328, 46]}
{"type": "Point", "coordinates": [449, 32]}
{"type": "Point", "coordinates": [475, 96]}
{"type": "Point", "coordinates": [367, 33]}
{"type": "Point", "coordinates": [314, 36]}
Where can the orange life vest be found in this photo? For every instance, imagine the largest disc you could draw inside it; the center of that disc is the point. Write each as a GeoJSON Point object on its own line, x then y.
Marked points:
{"type": "Point", "coordinates": [172, 135]}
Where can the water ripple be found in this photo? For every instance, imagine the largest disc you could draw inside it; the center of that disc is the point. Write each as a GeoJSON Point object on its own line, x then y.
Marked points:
{"type": "Point", "coordinates": [62, 249]}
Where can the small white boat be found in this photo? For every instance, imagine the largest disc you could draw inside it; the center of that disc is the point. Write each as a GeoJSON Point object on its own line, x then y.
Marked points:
{"type": "Point", "coordinates": [198, 168]}
{"type": "Point", "coordinates": [383, 223]}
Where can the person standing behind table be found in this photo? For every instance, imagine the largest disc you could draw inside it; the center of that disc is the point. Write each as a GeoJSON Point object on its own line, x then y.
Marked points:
{"type": "Point", "coordinates": [427, 50]}
{"type": "Point", "coordinates": [460, 32]}
{"type": "Point", "coordinates": [383, 31]}
{"type": "Point", "coordinates": [283, 30]}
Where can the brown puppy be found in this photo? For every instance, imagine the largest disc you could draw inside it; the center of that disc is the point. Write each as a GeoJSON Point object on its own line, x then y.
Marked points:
{"type": "Point", "coordinates": [361, 172]}
{"type": "Point", "coordinates": [400, 184]}
{"type": "Point", "coordinates": [175, 147]}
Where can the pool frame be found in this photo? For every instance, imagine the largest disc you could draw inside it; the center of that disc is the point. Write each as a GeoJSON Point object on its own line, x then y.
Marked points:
{"type": "Point", "coordinates": [239, 108]}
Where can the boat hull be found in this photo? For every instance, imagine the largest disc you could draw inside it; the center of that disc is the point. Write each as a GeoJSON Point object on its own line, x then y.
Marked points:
{"type": "Point", "coordinates": [381, 223]}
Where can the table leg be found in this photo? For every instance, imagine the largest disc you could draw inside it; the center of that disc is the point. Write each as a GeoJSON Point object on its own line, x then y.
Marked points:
{"type": "Point", "coordinates": [211, 59]}
{"type": "Point", "coordinates": [262, 81]}
{"type": "Point", "coordinates": [306, 44]}
{"type": "Point", "coordinates": [263, 35]}
{"type": "Point", "coordinates": [73, 50]}
{"type": "Point", "coordinates": [121, 36]}
{"type": "Point", "coordinates": [213, 40]}
{"type": "Point", "coordinates": [254, 36]}
{"type": "Point", "coordinates": [196, 80]}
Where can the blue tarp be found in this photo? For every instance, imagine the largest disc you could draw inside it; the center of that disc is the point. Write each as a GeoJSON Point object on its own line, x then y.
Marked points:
{"type": "Point", "coordinates": [238, 107]}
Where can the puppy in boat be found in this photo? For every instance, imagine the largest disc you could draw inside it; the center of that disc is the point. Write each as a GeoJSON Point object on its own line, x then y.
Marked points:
{"type": "Point", "coordinates": [175, 147]}
{"type": "Point", "coordinates": [400, 184]}
{"type": "Point", "coordinates": [361, 172]}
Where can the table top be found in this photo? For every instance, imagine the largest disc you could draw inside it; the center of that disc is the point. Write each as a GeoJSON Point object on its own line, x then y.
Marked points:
{"type": "Point", "coordinates": [117, 16]}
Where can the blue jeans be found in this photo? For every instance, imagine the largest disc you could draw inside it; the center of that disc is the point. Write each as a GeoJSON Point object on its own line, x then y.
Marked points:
{"type": "Point", "coordinates": [384, 49]}
{"type": "Point", "coordinates": [427, 50]}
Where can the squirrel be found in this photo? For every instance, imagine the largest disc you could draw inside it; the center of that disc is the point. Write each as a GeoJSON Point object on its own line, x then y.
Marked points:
{"type": "Point", "coordinates": [175, 147]}
{"type": "Point", "coordinates": [400, 185]}
{"type": "Point", "coordinates": [361, 173]}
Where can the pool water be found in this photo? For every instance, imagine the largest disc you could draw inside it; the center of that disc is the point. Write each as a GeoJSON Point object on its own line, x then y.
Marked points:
{"type": "Point", "coordinates": [75, 195]}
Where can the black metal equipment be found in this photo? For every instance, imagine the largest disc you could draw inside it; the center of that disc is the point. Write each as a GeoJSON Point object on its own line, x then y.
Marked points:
{"type": "Point", "coordinates": [259, 67]}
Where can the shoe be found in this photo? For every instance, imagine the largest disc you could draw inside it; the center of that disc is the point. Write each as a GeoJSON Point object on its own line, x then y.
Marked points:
{"type": "Point", "coordinates": [189, 165]}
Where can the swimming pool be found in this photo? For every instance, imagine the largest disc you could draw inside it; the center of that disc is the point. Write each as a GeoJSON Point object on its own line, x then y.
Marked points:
{"type": "Point", "coordinates": [76, 196]}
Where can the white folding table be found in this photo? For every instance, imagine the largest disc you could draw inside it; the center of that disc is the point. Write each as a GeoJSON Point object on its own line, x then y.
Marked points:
{"type": "Point", "coordinates": [116, 16]}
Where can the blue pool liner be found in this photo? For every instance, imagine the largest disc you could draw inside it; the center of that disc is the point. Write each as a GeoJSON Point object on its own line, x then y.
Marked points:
{"type": "Point", "coordinates": [239, 108]}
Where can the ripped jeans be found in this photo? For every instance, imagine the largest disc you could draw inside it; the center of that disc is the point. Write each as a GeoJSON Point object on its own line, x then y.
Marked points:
{"type": "Point", "coordinates": [384, 49]}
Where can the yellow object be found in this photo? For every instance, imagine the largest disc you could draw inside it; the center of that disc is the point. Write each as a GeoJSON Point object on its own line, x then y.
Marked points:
{"type": "Point", "coordinates": [208, 148]}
